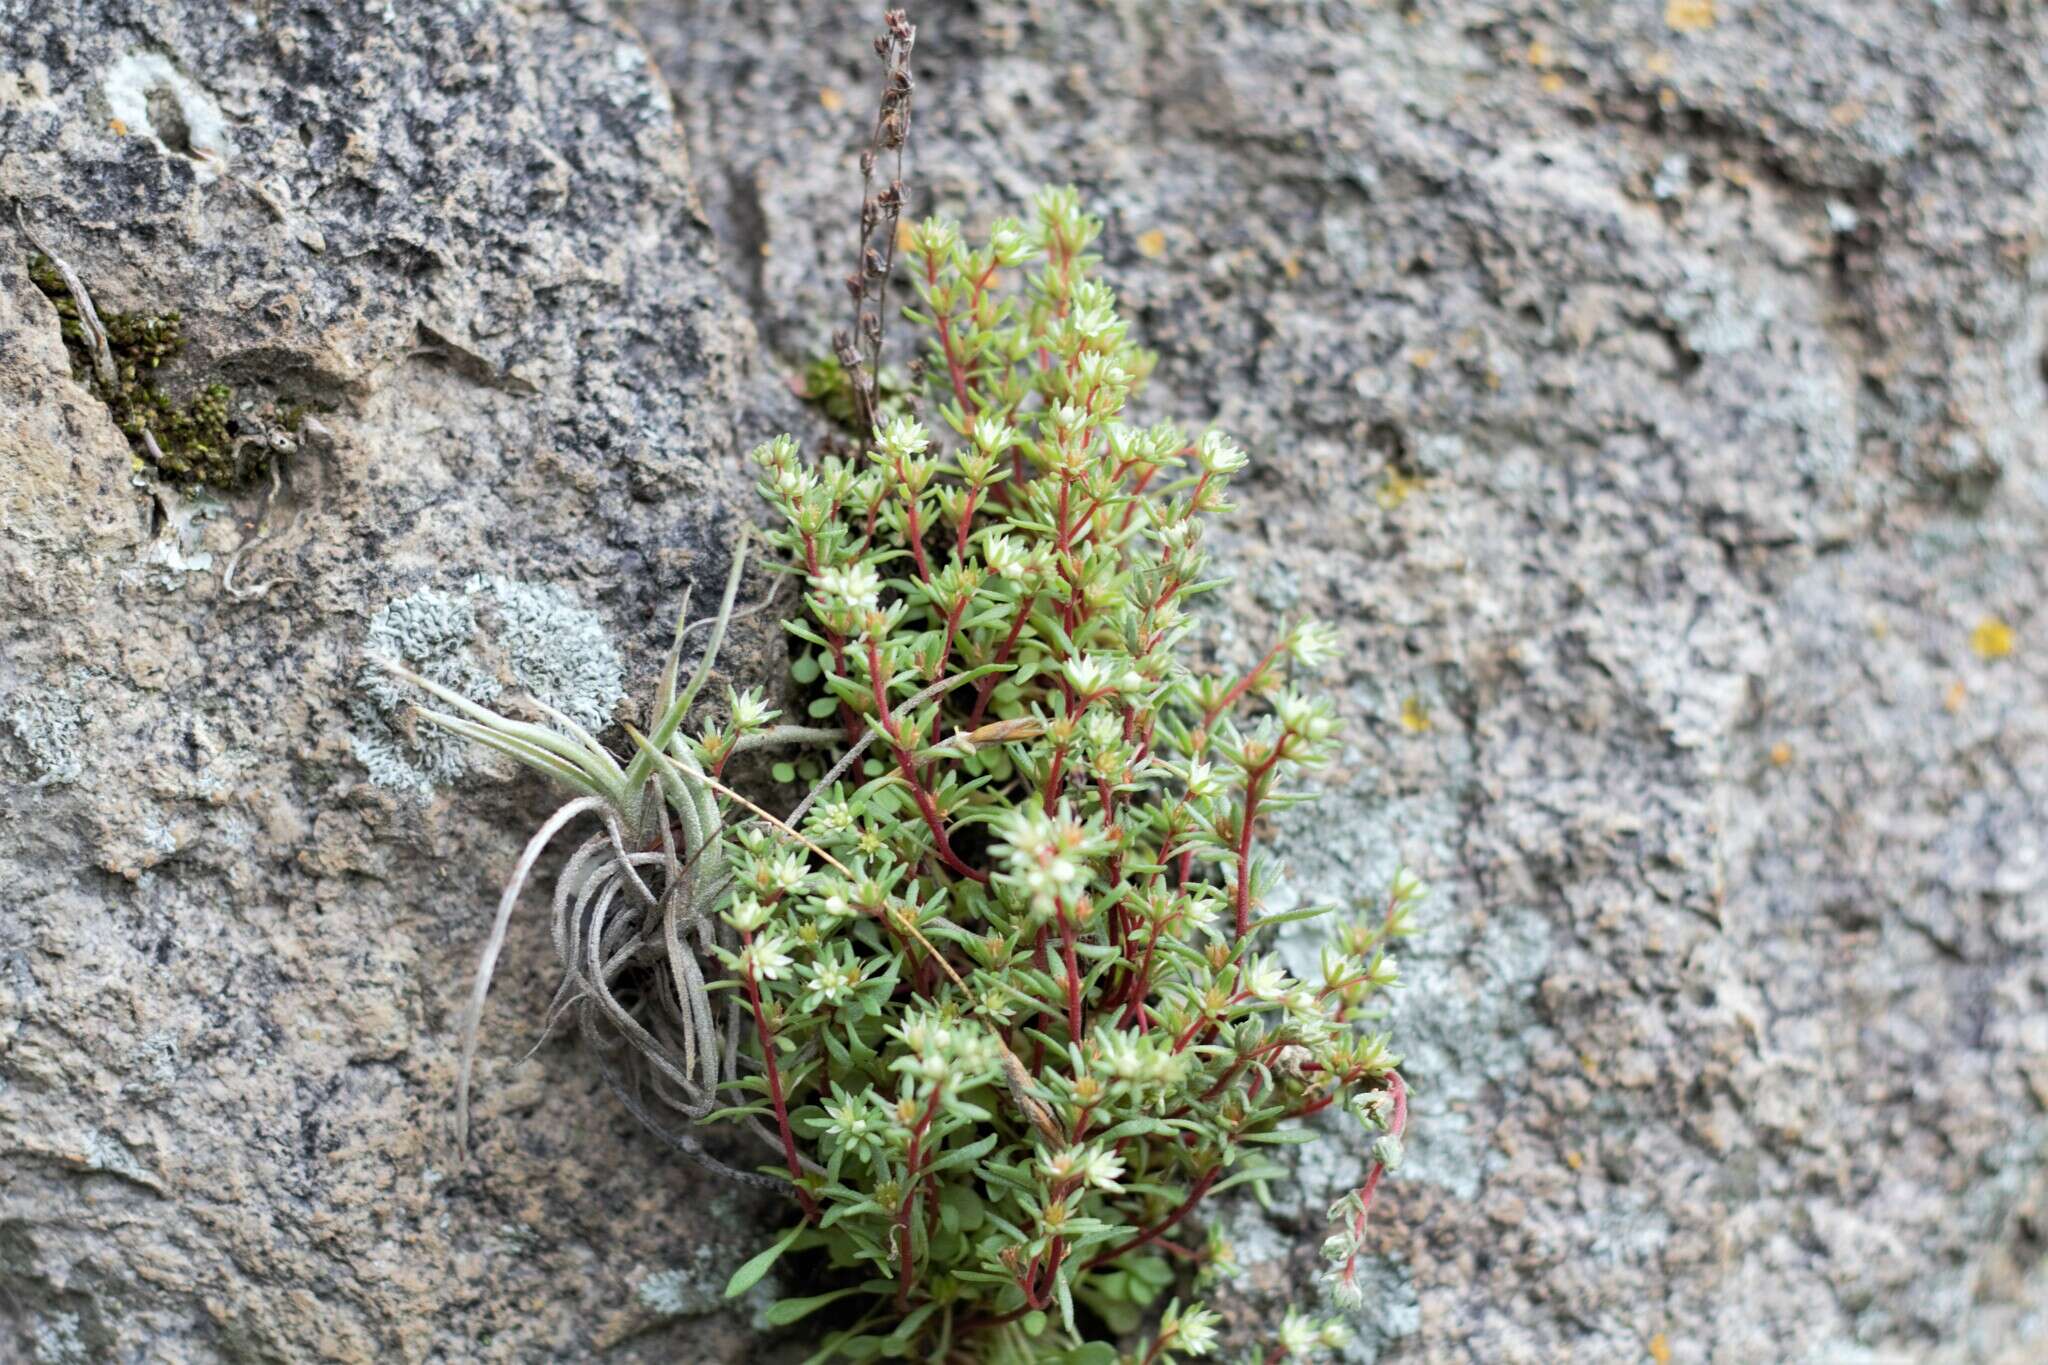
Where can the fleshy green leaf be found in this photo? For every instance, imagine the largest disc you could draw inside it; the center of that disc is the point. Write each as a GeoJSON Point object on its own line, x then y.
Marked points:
{"type": "Point", "coordinates": [749, 1274]}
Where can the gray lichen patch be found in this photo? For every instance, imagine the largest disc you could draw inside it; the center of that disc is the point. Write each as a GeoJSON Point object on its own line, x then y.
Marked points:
{"type": "Point", "coordinates": [1466, 1011]}
{"type": "Point", "coordinates": [430, 631]}
{"type": "Point", "coordinates": [555, 649]}
{"type": "Point", "coordinates": [685, 1291]}
{"type": "Point", "coordinates": [59, 1339]}
{"type": "Point", "coordinates": [44, 739]}
{"type": "Point", "coordinates": [532, 638]}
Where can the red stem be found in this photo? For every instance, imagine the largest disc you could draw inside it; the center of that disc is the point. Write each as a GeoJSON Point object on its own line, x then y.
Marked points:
{"type": "Point", "coordinates": [1187, 1206]}
{"type": "Point", "coordinates": [987, 685]}
{"type": "Point", "coordinates": [953, 370]}
{"type": "Point", "coordinates": [1073, 974]}
{"type": "Point", "coordinates": [1229, 698]}
{"type": "Point", "coordinates": [925, 806]}
{"type": "Point", "coordinates": [907, 1210]}
{"type": "Point", "coordinates": [1397, 1126]}
{"type": "Point", "coordinates": [914, 533]}
{"type": "Point", "coordinates": [1242, 894]}
{"type": "Point", "coordinates": [796, 1167]}
{"type": "Point", "coordinates": [952, 627]}
{"type": "Point", "coordinates": [1052, 779]}
{"type": "Point", "coordinates": [966, 524]}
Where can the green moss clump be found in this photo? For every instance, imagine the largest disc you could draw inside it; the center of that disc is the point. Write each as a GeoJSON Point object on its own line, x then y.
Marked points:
{"type": "Point", "coordinates": [193, 434]}
{"type": "Point", "coordinates": [826, 384]}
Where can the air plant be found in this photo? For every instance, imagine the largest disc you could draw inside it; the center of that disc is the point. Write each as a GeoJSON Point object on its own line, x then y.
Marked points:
{"type": "Point", "coordinates": [633, 907]}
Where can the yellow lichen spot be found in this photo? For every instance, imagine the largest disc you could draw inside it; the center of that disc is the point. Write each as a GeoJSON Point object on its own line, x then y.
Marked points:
{"type": "Point", "coordinates": [1781, 754]}
{"type": "Point", "coordinates": [1992, 639]}
{"type": "Point", "coordinates": [1660, 1349]}
{"type": "Point", "coordinates": [1667, 100]}
{"type": "Point", "coordinates": [1493, 379]}
{"type": "Point", "coordinates": [1422, 358]}
{"type": "Point", "coordinates": [903, 236]}
{"type": "Point", "coordinates": [1539, 53]}
{"type": "Point", "coordinates": [1589, 1064]}
{"type": "Point", "coordinates": [1414, 715]}
{"type": "Point", "coordinates": [1395, 489]}
{"type": "Point", "coordinates": [120, 128]}
{"type": "Point", "coordinates": [1152, 243]}
{"type": "Point", "coordinates": [1551, 83]}
{"type": "Point", "coordinates": [1290, 266]}
{"type": "Point", "coordinates": [1846, 113]}
{"type": "Point", "coordinates": [1953, 699]}
{"type": "Point", "coordinates": [1575, 1159]}
{"type": "Point", "coordinates": [1689, 16]}
{"type": "Point", "coordinates": [1658, 64]}
{"type": "Point", "coordinates": [831, 99]}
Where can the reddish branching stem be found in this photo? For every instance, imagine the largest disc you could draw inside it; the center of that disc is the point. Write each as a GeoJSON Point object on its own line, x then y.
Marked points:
{"type": "Point", "coordinates": [1397, 1128]}
{"type": "Point", "coordinates": [774, 1072]}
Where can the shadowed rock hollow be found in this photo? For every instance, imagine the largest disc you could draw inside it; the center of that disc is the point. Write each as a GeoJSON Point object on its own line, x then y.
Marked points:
{"type": "Point", "coordinates": [1652, 394]}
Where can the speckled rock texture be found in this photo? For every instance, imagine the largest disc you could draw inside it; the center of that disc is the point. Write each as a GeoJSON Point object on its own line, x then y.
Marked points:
{"type": "Point", "coordinates": [230, 964]}
{"type": "Point", "coordinates": [1653, 394]}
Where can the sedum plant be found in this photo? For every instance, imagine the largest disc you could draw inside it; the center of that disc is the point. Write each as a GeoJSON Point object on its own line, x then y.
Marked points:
{"type": "Point", "coordinates": [1016, 1002]}
{"type": "Point", "coordinates": [998, 998]}
{"type": "Point", "coordinates": [999, 995]}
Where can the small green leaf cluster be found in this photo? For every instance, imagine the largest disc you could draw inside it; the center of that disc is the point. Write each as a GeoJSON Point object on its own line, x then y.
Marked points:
{"type": "Point", "coordinates": [827, 385]}
{"type": "Point", "coordinates": [193, 442]}
{"type": "Point", "coordinates": [1015, 1010]}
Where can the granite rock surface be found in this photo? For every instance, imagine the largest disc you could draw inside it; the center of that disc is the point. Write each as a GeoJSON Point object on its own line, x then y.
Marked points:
{"type": "Point", "coordinates": [1652, 394]}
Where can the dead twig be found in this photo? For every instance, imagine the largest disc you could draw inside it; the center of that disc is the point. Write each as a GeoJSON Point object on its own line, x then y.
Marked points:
{"type": "Point", "coordinates": [260, 533]}
{"type": "Point", "coordinates": [860, 351]}
{"type": "Point", "coordinates": [88, 316]}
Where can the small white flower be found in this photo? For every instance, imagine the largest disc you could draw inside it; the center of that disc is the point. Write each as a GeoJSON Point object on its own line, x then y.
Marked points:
{"type": "Point", "coordinates": [749, 710]}
{"type": "Point", "coordinates": [1104, 1169]}
{"type": "Point", "coordinates": [1088, 674]}
{"type": "Point", "coordinates": [851, 585]}
{"type": "Point", "coordinates": [1218, 454]}
{"type": "Point", "coordinates": [1266, 978]}
{"type": "Point", "coordinates": [939, 236]}
{"type": "Point", "coordinates": [992, 435]}
{"type": "Point", "coordinates": [769, 956]}
{"type": "Point", "coordinates": [747, 914]}
{"type": "Point", "coordinates": [1314, 644]}
{"type": "Point", "coordinates": [903, 437]}
{"type": "Point", "coordinates": [1195, 1333]}
{"type": "Point", "coordinates": [788, 870]}
{"type": "Point", "coordinates": [1005, 557]}
{"type": "Point", "coordinates": [1008, 241]}
{"type": "Point", "coordinates": [1297, 1333]}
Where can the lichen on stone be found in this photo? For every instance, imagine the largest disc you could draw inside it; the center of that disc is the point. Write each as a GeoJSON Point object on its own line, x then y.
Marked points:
{"type": "Point", "coordinates": [680, 1292]}
{"type": "Point", "coordinates": [555, 649]}
{"type": "Point", "coordinates": [48, 733]}
{"type": "Point", "coordinates": [59, 1340]}
{"type": "Point", "coordinates": [532, 637]}
{"type": "Point", "coordinates": [429, 631]}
